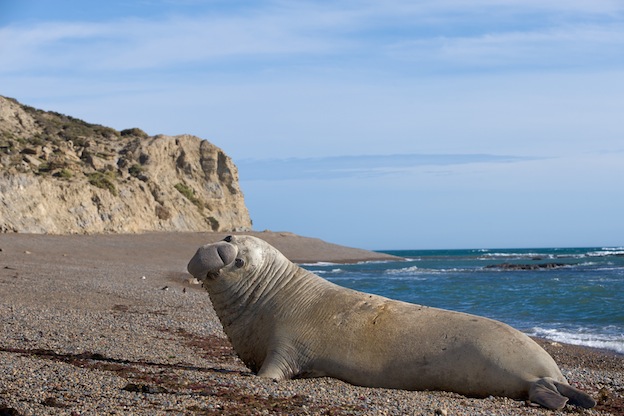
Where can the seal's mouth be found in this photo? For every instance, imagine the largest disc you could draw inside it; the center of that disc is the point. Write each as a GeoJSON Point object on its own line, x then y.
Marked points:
{"type": "Point", "coordinates": [212, 275]}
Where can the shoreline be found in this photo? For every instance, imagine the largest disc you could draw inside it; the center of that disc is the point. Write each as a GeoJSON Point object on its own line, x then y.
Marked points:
{"type": "Point", "coordinates": [296, 248]}
{"type": "Point", "coordinates": [112, 323]}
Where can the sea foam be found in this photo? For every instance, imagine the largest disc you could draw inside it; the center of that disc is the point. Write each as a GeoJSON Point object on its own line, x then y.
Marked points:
{"type": "Point", "coordinates": [602, 341]}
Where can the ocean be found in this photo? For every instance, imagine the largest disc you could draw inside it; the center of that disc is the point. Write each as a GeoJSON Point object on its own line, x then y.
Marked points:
{"type": "Point", "coordinates": [571, 295]}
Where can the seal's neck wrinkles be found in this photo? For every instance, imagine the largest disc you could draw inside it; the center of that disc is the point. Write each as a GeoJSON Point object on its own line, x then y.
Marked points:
{"type": "Point", "coordinates": [257, 289]}
{"type": "Point", "coordinates": [249, 308]}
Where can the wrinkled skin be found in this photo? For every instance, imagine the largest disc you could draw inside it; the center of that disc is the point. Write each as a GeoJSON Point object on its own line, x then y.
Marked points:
{"type": "Point", "coordinates": [286, 322]}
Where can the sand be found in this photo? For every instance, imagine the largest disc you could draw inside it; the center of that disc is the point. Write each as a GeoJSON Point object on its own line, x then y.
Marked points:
{"type": "Point", "coordinates": [112, 324]}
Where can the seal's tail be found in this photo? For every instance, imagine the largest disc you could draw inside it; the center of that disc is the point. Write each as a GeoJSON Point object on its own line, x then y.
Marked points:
{"type": "Point", "coordinates": [554, 394]}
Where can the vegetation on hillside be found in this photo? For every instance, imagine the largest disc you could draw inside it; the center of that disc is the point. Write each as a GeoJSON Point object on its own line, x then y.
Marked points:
{"type": "Point", "coordinates": [65, 147]}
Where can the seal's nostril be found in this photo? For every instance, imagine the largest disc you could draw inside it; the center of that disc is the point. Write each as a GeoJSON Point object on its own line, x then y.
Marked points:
{"type": "Point", "coordinates": [227, 253]}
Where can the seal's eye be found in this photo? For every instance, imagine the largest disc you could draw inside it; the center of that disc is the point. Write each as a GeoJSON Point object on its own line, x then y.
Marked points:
{"type": "Point", "coordinates": [228, 239]}
{"type": "Point", "coordinates": [239, 262]}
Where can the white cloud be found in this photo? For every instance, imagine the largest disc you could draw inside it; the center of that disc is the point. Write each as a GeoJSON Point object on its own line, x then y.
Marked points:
{"type": "Point", "coordinates": [361, 166]}
{"type": "Point", "coordinates": [552, 32]}
{"type": "Point", "coordinates": [41, 46]}
{"type": "Point", "coordinates": [561, 47]}
{"type": "Point", "coordinates": [160, 43]}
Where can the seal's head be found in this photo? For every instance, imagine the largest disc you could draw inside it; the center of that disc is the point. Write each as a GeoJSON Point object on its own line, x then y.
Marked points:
{"type": "Point", "coordinates": [231, 259]}
{"type": "Point", "coordinates": [211, 258]}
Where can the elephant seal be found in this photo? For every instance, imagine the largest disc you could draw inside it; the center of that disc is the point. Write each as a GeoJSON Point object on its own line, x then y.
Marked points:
{"type": "Point", "coordinates": [286, 322]}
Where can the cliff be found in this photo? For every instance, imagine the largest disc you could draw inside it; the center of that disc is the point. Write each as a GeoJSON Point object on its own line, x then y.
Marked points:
{"type": "Point", "coordinates": [62, 175]}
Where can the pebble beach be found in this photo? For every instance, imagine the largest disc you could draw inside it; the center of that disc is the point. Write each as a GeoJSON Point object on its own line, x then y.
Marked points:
{"type": "Point", "coordinates": [113, 324]}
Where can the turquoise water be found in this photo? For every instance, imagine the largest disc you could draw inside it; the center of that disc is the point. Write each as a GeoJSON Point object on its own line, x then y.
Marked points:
{"type": "Point", "coordinates": [580, 301]}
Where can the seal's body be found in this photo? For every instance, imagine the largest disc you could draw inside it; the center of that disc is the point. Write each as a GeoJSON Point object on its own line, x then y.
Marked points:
{"type": "Point", "coordinates": [286, 322]}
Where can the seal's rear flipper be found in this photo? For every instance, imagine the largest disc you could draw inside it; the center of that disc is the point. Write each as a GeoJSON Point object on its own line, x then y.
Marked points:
{"type": "Point", "coordinates": [577, 397]}
{"type": "Point", "coordinates": [544, 392]}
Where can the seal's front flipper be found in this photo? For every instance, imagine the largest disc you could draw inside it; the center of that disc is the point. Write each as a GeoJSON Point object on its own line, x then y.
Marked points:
{"type": "Point", "coordinates": [545, 393]}
{"type": "Point", "coordinates": [577, 397]}
{"type": "Point", "coordinates": [276, 366]}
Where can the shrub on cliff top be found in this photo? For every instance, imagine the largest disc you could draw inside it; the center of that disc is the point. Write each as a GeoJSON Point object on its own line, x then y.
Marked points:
{"type": "Point", "coordinates": [133, 132]}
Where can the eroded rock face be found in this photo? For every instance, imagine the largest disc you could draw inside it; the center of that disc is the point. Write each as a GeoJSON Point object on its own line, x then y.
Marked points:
{"type": "Point", "coordinates": [62, 175]}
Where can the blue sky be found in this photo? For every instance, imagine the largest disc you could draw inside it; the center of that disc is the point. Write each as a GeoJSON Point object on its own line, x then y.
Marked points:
{"type": "Point", "coordinates": [381, 125]}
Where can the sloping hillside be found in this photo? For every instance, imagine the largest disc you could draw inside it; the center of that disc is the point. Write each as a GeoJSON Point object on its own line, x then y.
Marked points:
{"type": "Point", "coordinates": [62, 175]}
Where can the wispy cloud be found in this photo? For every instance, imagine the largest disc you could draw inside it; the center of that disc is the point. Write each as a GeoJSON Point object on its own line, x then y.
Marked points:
{"type": "Point", "coordinates": [337, 167]}
{"type": "Point", "coordinates": [159, 43]}
{"type": "Point", "coordinates": [276, 33]}
{"type": "Point", "coordinates": [575, 46]}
